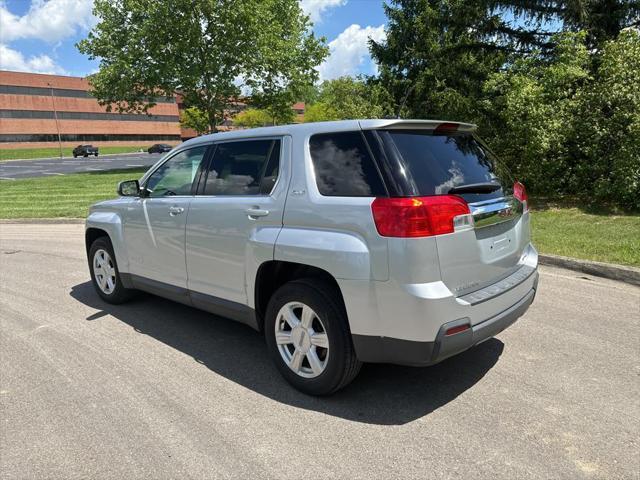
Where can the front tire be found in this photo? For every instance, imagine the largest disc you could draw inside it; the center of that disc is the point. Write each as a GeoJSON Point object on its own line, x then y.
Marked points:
{"type": "Point", "coordinates": [105, 275]}
{"type": "Point", "coordinates": [308, 337]}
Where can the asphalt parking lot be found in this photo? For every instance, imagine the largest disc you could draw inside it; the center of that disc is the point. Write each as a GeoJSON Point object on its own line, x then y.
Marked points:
{"type": "Point", "coordinates": [54, 166]}
{"type": "Point", "coordinates": [153, 389]}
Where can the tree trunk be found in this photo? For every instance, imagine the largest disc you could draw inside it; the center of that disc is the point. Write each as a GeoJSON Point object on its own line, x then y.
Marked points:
{"type": "Point", "coordinates": [213, 121]}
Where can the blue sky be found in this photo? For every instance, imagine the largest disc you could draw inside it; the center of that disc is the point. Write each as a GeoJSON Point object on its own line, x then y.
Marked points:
{"type": "Point", "coordinates": [39, 35]}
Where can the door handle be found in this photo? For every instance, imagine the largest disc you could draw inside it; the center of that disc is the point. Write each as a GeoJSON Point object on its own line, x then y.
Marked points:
{"type": "Point", "coordinates": [256, 212]}
{"type": "Point", "coordinates": [173, 211]}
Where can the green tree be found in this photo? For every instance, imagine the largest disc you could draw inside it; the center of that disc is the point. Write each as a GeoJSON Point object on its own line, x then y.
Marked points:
{"type": "Point", "coordinates": [320, 112]}
{"type": "Point", "coordinates": [438, 53]}
{"type": "Point", "coordinates": [253, 117]}
{"type": "Point", "coordinates": [601, 20]}
{"type": "Point", "coordinates": [607, 125]}
{"type": "Point", "coordinates": [195, 119]}
{"type": "Point", "coordinates": [278, 108]}
{"type": "Point", "coordinates": [566, 128]}
{"type": "Point", "coordinates": [207, 49]}
{"type": "Point", "coordinates": [349, 98]}
{"type": "Point", "coordinates": [436, 56]}
{"type": "Point", "coordinates": [534, 103]}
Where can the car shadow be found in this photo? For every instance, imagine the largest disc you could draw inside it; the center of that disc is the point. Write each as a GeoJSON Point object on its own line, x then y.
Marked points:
{"type": "Point", "coordinates": [381, 394]}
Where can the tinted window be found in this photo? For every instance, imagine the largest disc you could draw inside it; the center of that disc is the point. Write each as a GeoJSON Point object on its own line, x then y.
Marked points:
{"type": "Point", "coordinates": [271, 171]}
{"type": "Point", "coordinates": [176, 175]}
{"type": "Point", "coordinates": [248, 167]}
{"type": "Point", "coordinates": [438, 162]}
{"type": "Point", "coordinates": [343, 166]}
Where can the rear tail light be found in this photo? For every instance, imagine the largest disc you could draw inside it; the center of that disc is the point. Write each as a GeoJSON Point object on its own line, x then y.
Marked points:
{"type": "Point", "coordinates": [419, 216]}
{"type": "Point", "coordinates": [521, 194]}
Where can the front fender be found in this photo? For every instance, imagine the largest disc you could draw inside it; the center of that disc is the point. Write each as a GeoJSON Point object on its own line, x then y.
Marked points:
{"type": "Point", "coordinates": [111, 223]}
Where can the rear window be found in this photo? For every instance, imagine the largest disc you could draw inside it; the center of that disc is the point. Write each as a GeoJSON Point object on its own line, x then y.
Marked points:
{"type": "Point", "coordinates": [439, 161]}
{"type": "Point", "coordinates": [343, 166]}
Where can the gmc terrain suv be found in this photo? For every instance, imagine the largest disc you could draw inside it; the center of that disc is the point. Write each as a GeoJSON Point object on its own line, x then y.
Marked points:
{"type": "Point", "coordinates": [390, 241]}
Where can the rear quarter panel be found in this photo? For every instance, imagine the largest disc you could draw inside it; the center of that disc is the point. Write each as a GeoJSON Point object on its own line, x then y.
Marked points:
{"type": "Point", "coordinates": [336, 234]}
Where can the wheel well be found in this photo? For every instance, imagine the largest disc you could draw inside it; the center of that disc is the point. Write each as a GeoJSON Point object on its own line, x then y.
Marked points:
{"type": "Point", "coordinates": [91, 235]}
{"type": "Point", "coordinates": [273, 274]}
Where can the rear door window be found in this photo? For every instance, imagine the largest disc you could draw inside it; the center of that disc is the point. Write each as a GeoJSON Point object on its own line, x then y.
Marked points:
{"type": "Point", "coordinates": [247, 167]}
{"type": "Point", "coordinates": [439, 161]}
{"type": "Point", "coordinates": [343, 165]}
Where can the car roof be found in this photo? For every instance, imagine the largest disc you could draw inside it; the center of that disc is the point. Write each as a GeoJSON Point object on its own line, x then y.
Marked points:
{"type": "Point", "coordinates": [306, 129]}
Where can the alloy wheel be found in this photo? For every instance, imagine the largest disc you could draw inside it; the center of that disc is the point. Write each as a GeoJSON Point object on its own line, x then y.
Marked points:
{"type": "Point", "coordinates": [302, 339]}
{"type": "Point", "coordinates": [104, 271]}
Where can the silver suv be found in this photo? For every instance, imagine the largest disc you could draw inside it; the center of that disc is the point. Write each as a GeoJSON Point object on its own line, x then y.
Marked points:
{"type": "Point", "coordinates": [393, 241]}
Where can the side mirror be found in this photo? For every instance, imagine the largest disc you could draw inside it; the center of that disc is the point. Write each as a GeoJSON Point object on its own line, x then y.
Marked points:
{"type": "Point", "coordinates": [129, 188]}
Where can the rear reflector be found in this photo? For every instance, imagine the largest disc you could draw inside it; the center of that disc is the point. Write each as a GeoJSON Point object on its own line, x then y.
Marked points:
{"type": "Point", "coordinates": [458, 329]}
{"type": "Point", "coordinates": [521, 194]}
{"type": "Point", "coordinates": [417, 216]}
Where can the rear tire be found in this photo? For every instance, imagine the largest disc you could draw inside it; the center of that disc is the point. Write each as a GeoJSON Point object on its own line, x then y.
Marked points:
{"type": "Point", "coordinates": [105, 275]}
{"type": "Point", "coordinates": [316, 353]}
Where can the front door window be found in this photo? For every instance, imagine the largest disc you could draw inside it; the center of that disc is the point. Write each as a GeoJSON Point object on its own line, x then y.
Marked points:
{"type": "Point", "coordinates": [176, 175]}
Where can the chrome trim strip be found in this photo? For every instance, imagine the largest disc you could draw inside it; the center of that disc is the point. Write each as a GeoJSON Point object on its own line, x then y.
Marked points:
{"type": "Point", "coordinates": [495, 211]}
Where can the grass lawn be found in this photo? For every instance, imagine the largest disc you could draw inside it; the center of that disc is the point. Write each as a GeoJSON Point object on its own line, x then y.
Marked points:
{"type": "Point", "coordinates": [27, 153]}
{"type": "Point", "coordinates": [570, 232]}
{"type": "Point", "coordinates": [60, 196]}
{"type": "Point", "coordinates": [592, 236]}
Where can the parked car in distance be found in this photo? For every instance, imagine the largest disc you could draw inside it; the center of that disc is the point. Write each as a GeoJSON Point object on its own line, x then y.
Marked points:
{"type": "Point", "coordinates": [386, 241]}
{"type": "Point", "coordinates": [85, 151]}
{"type": "Point", "coordinates": [159, 148]}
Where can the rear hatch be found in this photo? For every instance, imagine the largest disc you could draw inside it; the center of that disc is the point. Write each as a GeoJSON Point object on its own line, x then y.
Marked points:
{"type": "Point", "coordinates": [488, 244]}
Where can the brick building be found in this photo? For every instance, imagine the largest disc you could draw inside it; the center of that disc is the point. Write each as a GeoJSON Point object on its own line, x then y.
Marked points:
{"type": "Point", "coordinates": [30, 102]}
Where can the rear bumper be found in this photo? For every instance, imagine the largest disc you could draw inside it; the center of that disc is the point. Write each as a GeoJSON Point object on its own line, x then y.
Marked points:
{"type": "Point", "coordinates": [376, 349]}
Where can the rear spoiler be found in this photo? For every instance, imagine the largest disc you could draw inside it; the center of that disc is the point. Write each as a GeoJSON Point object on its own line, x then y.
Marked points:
{"type": "Point", "coordinates": [419, 124]}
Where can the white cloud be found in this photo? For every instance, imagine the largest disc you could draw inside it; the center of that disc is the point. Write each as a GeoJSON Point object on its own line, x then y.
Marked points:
{"type": "Point", "coordinates": [50, 21]}
{"type": "Point", "coordinates": [349, 52]}
{"type": "Point", "coordinates": [13, 60]}
{"type": "Point", "coordinates": [315, 8]}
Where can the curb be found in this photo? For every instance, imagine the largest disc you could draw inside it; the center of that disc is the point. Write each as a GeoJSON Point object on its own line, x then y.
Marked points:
{"type": "Point", "coordinates": [45, 221]}
{"type": "Point", "coordinates": [621, 273]}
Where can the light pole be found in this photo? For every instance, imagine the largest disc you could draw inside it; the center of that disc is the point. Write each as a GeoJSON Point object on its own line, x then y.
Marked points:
{"type": "Point", "coordinates": [55, 115]}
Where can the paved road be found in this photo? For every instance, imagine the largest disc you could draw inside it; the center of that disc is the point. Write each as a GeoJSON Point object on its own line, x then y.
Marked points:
{"type": "Point", "coordinates": [153, 389]}
{"type": "Point", "coordinates": [55, 166]}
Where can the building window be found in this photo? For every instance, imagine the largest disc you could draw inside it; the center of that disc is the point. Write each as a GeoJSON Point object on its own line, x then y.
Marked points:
{"type": "Point", "coordinates": [52, 137]}
{"type": "Point", "coordinates": [49, 114]}
{"type": "Point", "coordinates": [61, 92]}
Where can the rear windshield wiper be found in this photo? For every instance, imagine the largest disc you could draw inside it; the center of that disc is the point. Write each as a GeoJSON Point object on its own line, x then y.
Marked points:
{"type": "Point", "coordinates": [486, 187]}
